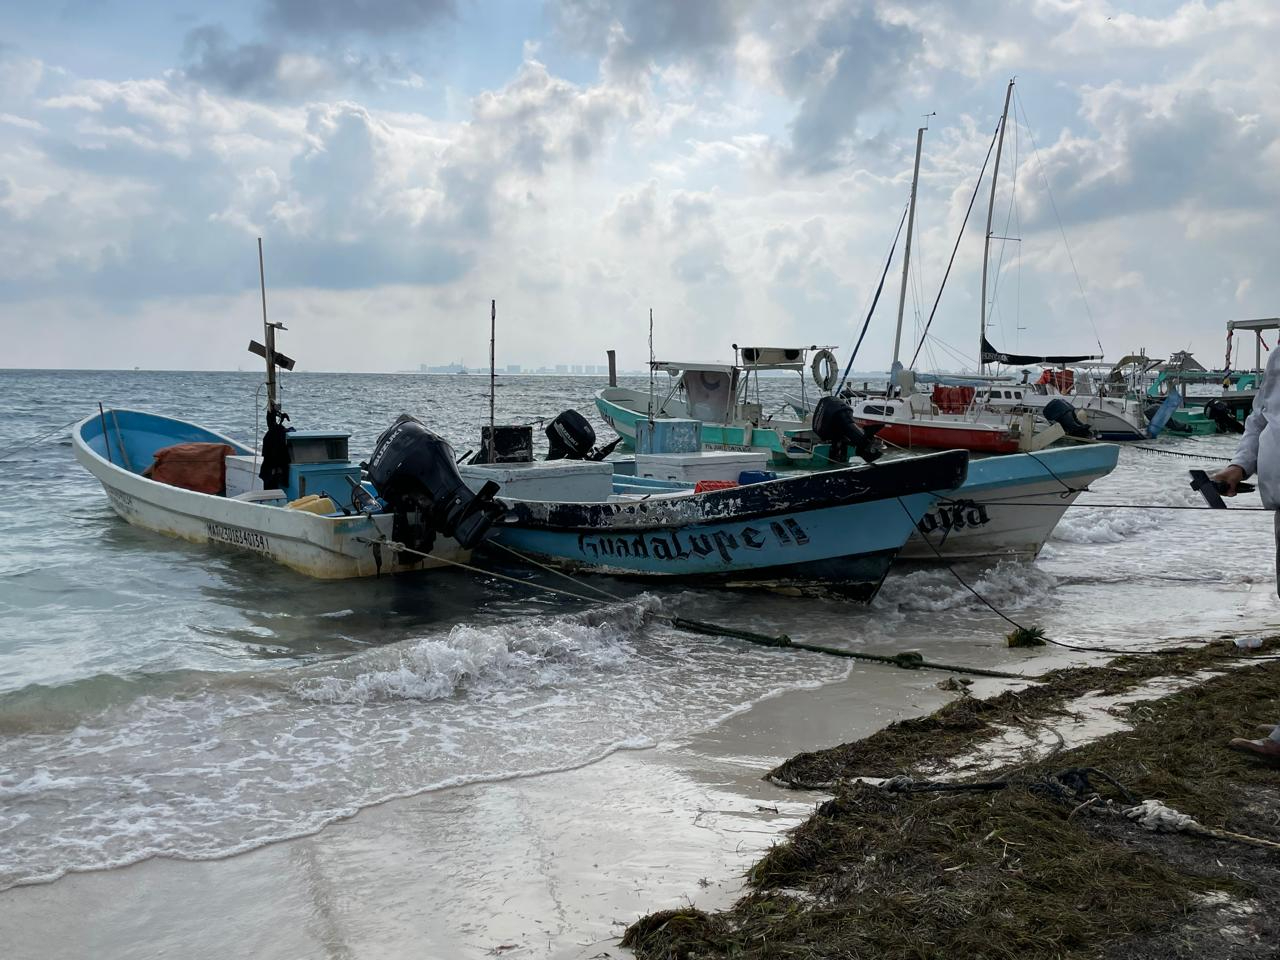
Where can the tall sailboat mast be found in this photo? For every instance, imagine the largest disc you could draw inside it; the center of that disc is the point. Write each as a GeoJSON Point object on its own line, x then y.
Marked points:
{"type": "Point", "coordinates": [986, 243]}
{"type": "Point", "coordinates": [906, 260]}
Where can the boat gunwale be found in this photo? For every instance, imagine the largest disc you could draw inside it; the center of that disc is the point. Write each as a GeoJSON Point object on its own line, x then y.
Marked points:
{"type": "Point", "coordinates": [953, 463]}
{"type": "Point", "coordinates": [79, 444]}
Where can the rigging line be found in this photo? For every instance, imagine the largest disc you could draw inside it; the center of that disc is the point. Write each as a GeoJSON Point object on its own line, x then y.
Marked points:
{"type": "Point", "coordinates": [875, 300]}
{"type": "Point", "coordinates": [959, 236]}
{"type": "Point", "coordinates": [868, 304]}
{"type": "Point", "coordinates": [1061, 229]}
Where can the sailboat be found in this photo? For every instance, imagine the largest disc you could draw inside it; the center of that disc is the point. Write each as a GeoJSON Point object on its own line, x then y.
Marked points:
{"type": "Point", "coordinates": [949, 417]}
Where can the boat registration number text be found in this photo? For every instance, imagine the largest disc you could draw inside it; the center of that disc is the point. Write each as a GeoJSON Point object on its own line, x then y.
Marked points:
{"type": "Point", "coordinates": [238, 537]}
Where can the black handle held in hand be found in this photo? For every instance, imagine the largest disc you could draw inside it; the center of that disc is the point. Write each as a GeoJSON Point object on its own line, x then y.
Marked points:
{"type": "Point", "coordinates": [1212, 490]}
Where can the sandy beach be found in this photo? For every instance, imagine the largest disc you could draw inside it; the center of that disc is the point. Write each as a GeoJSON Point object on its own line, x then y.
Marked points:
{"type": "Point", "coordinates": [550, 866]}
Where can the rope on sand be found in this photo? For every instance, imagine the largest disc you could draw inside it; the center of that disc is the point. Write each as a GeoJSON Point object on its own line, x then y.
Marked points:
{"type": "Point", "coordinates": [1158, 817]}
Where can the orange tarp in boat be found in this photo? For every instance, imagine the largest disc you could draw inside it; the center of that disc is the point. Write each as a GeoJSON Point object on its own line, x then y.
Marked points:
{"type": "Point", "coordinates": [201, 467]}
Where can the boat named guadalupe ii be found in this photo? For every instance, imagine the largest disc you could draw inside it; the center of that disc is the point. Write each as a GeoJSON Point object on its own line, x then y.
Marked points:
{"type": "Point", "coordinates": [300, 501]}
{"type": "Point", "coordinates": [725, 397]}
{"type": "Point", "coordinates": [835, 532]}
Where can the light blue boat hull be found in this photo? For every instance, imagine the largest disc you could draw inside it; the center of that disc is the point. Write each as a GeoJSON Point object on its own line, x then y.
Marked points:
{"type": "Point", "coordinates": [838, 531]}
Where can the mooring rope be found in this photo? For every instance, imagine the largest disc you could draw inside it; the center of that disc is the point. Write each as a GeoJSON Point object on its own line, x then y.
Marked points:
{"type": "Point", "coordinates": [1018, 626]}
{"type": "Point", "coordinates": [1130, 445]}
{"type": "Point", "coordinates": [32, 441]}
{"type": "Point", "coordinates": [908, 660]}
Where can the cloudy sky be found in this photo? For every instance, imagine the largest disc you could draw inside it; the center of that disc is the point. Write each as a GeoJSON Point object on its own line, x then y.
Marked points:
{"type": "Point", "coordinates": [737, 166]}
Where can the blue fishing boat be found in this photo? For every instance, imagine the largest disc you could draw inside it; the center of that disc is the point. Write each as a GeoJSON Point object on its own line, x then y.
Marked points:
{"type": "Point", "coordinates": [836, 532]}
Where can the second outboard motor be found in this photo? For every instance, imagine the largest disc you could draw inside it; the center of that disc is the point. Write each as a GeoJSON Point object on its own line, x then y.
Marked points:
{"type": "Point", "coordinates": [1063, 414]}
{"type": "Point", "coordinates": [573, 438]}
{"type": "Point", "coordinates": [415, 474]}
{"type": "Point", "coordinates": [1220, 413]}
{"type": "Point", "coordinates": [833, 422]}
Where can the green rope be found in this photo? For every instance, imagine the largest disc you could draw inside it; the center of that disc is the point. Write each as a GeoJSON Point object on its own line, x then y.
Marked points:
{"type": "Point", "coordinates": [907, 660]}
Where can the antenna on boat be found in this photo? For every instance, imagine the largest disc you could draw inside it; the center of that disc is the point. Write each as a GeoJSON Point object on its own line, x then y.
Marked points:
{"type": "Point", "coordinates": [651, 371]}
{"type": "Point", "coordinates": [493, 327]}
{"type": "Point", "coordinates": [268, 352]}
{"type": "Point", "coordinates": [986, 242]}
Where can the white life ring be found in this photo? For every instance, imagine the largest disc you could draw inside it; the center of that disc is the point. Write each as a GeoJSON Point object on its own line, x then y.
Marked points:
{"type": "Point", "coordinates": [825, 370]}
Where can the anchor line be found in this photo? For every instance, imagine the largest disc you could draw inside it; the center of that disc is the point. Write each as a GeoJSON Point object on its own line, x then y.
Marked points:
{"type": "Point", "coordinates": [1156, 450]}
{"type": "Point", "coordinates": [559, 573]}
{"type": "Point", "coordinates": [1018, 502]}
{"type": "Point", "coordinates": [397, 547]}
{"type": "Point", "coordinates": [32, 441]}
{"type": "Point", "coordinates": [906, 660]}
{"type": "Point", "coordinates": [1014, 623]}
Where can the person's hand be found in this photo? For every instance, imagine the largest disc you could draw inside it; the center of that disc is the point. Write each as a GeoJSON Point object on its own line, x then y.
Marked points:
{"type": "Point", "coordinates": [1231, 476]}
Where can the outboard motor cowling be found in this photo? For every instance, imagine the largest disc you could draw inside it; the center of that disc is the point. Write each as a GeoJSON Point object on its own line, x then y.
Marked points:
{"type": "Point", "coordinates": [1220, 413]}
{"type": "Point", "coordinates": [415, 474]}
{"type": "Point", "coordinates": [834, 423]}
{"type": "Point", "coordinates": [571, 436]}
{"type": "Point", "coordinates": [1063, 414]}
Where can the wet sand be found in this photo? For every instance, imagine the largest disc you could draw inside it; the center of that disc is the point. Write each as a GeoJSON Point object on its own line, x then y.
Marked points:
{"type": "Point", "coordinates": [549, 866]}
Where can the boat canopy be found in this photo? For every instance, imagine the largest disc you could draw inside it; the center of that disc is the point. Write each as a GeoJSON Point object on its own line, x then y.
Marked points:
{"type": "Point", "coordinates": [710, 395]}
{"type": "Point", "coordinates": [773, 358]}
{"type": "Point", "coordinates": [676, 367]}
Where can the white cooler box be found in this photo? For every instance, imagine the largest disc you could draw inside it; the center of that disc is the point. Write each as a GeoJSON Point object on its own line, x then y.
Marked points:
{"type": "Point", "coordinates": [558, 481]}
{"type": "Point", "coordinates": [242, 474]}
{"type": "Point", "coordinates": [692, 467]}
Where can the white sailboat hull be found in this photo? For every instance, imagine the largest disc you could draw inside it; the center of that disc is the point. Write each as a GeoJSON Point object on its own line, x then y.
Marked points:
{"type": "Point", "coordinates": [1009, 506]}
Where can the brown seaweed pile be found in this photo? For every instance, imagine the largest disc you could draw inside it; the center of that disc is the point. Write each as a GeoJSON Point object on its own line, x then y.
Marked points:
{"type": "Point", "coordinates": [1024, 872]}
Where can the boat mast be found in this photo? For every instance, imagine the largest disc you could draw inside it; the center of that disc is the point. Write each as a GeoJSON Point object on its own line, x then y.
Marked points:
{"type": "Point", "coordinates": [493, 327]}
{"type": "Point", "coordinates": [906, 259]}
{"type": "Point", "coordinates": [651, 372]}
{"type": "Point", "coordinates": [986, 243]}
{"type": "Point", "coordinates": [269, 333]}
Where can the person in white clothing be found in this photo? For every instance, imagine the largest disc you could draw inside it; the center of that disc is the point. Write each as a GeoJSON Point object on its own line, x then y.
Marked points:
{"type": "Point", "coordinates": [1259, 452]}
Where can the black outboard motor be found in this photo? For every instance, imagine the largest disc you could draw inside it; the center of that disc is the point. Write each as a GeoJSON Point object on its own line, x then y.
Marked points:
{"type": "Point", "coordinates": [1063, 414]}
{"type": "Point", "coordinates": [1220, 413]}
{"type": "Point", "coordinates": [573, 438]}
{"type": "Point", "coordinates": [833, 422]}
{"type": "Point", "coordinates": [415, 474]}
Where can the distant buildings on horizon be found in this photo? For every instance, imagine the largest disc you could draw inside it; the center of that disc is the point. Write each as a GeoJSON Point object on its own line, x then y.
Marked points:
{"type": "Point", "coordinates": [515, 369]}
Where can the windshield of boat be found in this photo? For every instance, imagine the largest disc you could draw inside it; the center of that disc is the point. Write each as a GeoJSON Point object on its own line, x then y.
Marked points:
{"type": "Point", "coordinates": [709, 394]}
